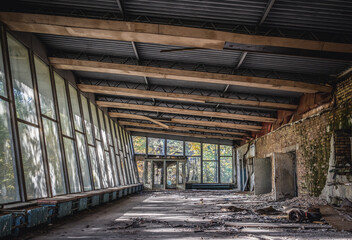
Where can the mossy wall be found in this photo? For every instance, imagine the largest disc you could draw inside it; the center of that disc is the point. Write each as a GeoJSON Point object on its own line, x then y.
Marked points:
{"type": "Point", "coordinates": [310, 139]}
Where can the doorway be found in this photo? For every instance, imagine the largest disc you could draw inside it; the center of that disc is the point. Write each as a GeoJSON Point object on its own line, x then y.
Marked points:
{"type": "Point", "coordinates": [171, 172]}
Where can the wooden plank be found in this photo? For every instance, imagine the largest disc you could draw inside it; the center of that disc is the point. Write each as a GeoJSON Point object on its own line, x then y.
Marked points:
{"type": "Point", "coordinates": [186, 75]}
{"type": "Point", "coordinates": [154, 33]}
{"type": "Point", "coordinates": [179, 96]}
{"type": "Point", "coordinates": [184, 111]}
{"type": "Point", "coordinates": [177, 128]}
{"type": "Point", "coordinates": [193, 122]}
{"type": "Point", "coordinates": [276, 225]}
{"type": "Point", "coordinates": [182, 134]}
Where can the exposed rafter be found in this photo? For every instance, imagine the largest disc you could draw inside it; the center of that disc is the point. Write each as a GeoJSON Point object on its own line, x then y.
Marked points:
{"type": "Point", "coordinates": [193, 122]}
{"type": "Point", "coordinates": [178, 128]}
{"type": "Point", "coordinates": [186, 75]}
{"type": "Point", "coordinates": [178, 96]}
{"type": "Point", "coordinates": [154, 33]}
{"type": "Point", "coordinates": [185, 111]}
{"type": "Point", "coordinates": [182, 134]}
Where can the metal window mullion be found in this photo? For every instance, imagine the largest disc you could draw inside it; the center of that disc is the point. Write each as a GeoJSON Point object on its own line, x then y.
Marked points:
{"type": "Point", "coordinates": [14, 125]}
{"type": "Point", "coordinates": [112, 140]}
{"type": "Point", "coordinates": [218, 164]}
{"type": "Point", "coordinates": [201, 162]}
{"type": "Point", "coordinates": [116, 152]}
{"type": "Point", "coordinates": [125, 156]}
{"type": "Point", "coordinates": [40, 124]}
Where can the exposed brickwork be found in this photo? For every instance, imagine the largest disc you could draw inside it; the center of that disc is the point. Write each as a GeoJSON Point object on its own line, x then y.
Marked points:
{"type": "Point", "coordinates": [310, 139]}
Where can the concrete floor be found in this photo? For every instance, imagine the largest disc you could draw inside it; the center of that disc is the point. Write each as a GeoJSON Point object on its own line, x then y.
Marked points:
{"type": "Point", "coordinates": [181, 215]}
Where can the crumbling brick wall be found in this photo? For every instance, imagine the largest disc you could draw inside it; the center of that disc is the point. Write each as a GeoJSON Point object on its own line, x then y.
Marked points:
{"type": "Point", "coordinates": [310, 139]}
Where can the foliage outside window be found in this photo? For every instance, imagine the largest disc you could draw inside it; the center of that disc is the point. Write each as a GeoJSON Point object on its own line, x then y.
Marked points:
{"type": "Point", "coordinates": [140, 167]}
{"type": "Point", "coordinates": [210, 151]}
{"type": "Point", "coordinates": [210, 172]}
{"type": "Point", "coordinates": [22, 81]}
{"type": "Point", "coordinates": [193, 149]}
{"type": "Point", "coordinates": [225, 150]}
{"type": "Point", "coordinates": [226, 168]}
{"type": "Point", "coordinates": [2, 76]}
{"type": "Point", "coordinates": [95, 167]}
{"type": "Point", "coordinates": [174, 147]}
{"type": "Point", "coordinates": [156, 146]}
{"type": "Point", "coordinates": [8, 180]}
{"type": "Point", "coordinates": [72, 168]}
{"type": "Point", "coordinates": [83, 159]}
{"type": "Point", "coordinates": [63, 105]}
{"type": "Point", "coordinates": [193, 170]}
{"type": "Point", "coordinates": [139, 144]}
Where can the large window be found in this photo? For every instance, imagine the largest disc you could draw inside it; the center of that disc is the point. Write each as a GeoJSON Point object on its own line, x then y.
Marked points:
{"type": "Point", "coordinates": [32, 160]}
{"type": "Point", "coordinates": [226, 168]}
{"type": "Point", "coordinates": [54, 157]}
{"type": "Point", "coordinates": [62, 142]}
{"type": "Point", "coordinates": [8, 178]}
{"type": "Point", "coordinates": [193, 166]}
{"type": "Point", "coordinates": [139, 144]}
{"type": "Point", "coordinates": [210, 163]}
{"type": "Point", "coordinates": [22, 81]}
{"type": "Point", "coordinates": [174, 147]}
{"type": "Point", "coordinates": [156, 146]}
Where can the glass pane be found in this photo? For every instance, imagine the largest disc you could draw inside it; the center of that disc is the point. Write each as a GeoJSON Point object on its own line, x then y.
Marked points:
{"type": "Point", "coordinates": [140, 167]}
{"type": "Point", "coordinates": [174, 147]}
{"type": "Point", "coordinates": [63, 105]}
{"type": "Point", "coordinates": [32, 160]}
{"type": "Point", "coordinates": [8, 176]}
{"type": "Point", "coordinates": [87, 121]}
{"type": "Point", "coordinates": [102, 165]}
{"type": "Point", "coordinates": [108, 129]}
{"type": "Point", "coordinates": [83, 160]}
{"type": "Point", "coordinates": [225, 150]}
{"type": "Point", "coordinates": [149, 171]}
{"type": "Point", "coordinates": [193, 170]}
{"type": "Point", "coordinates": [77, 119]}
{"type": "Point", "coordinates": [22, 81]}
{"type": "Point", "coordinates": [112, 124]}
{"type": "Point", "coordinates": [47, 106]}
{"type": "Point", "coordinates": [119, 167]}
{"type": "Point", "coordinates": [114, 166]}
{"type": "Point", "coordinates": [3, 90]}
{"type": "Point", "coordinates": [109, 169]}
{"type": "Point", "coordinates": [95, 121]}
{"type": "Point", "coordinates": [102, 126]}
{"type": "Point", "coordinates": [72, 168]}
{"type": "Point", "coordinates": [210, 151]}
{"type": "Point", "coordinates": [226, 170]}
{"type": "Point", "coordinates": [156, 146]}
{"type": "Point", "coordinates": [210, 172]}
{"type": "Point", "coordinates": [193, 149]}
{"type": "Point", "coordinates": [95, 167]}
{"type": "Point", "coordinates": [54, 157]}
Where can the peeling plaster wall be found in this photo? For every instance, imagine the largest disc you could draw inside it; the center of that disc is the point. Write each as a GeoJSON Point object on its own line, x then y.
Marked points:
{"type": "Point", "coordinates": [310, 139]}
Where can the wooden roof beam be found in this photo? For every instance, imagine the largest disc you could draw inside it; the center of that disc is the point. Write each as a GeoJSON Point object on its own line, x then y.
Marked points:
{"type": "Point", "coordinates": [182, 134]}
{"type": "Point", "coordinates": [178, 128]}
{"type": "Point", "coordinates": [184, 111]}
{"type": "Point", "coordinates": [179, 96]}
{"type": "Point", "coordinates": [154, 33]}
{"type": "Point", "coordinates": [187, 75]}
{"type": "Point", "coordinates": [193, 122]}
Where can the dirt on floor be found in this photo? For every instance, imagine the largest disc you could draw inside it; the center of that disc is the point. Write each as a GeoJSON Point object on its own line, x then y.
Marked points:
{"type": "Point", "coordinates": [195, 214]}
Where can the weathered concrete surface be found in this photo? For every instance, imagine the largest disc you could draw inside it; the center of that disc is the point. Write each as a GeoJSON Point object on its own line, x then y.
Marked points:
{"type": "Point", "coordinates": [184, 215]}
{"type": "Point", "coordinates": [262, 175]}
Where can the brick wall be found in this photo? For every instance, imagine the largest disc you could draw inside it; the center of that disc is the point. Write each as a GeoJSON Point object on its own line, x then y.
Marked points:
{"type": "Point", "coordinates": [310, 139]}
